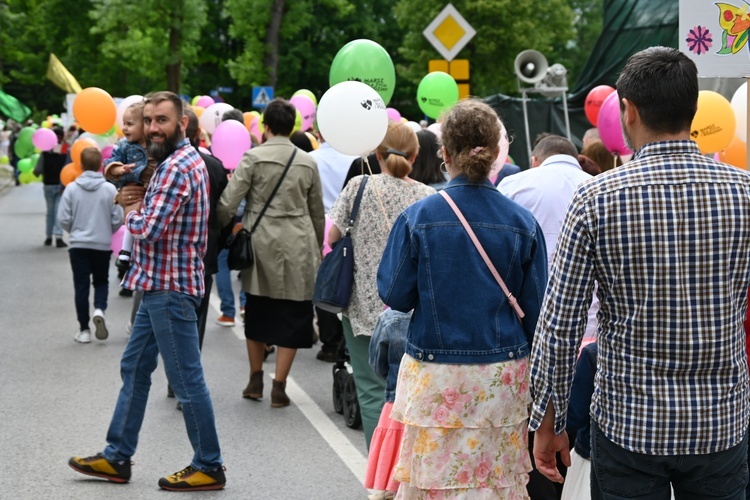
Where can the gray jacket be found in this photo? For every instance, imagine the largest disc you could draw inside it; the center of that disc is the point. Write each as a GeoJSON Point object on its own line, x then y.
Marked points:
{"type": "Point", "coordinates": [88, 212]}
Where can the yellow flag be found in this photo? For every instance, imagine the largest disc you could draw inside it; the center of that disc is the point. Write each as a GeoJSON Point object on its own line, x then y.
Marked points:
{"type": "Point", "coordinates": [60, 76]}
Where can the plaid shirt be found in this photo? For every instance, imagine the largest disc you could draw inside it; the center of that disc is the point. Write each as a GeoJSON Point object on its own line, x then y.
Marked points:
{"type": "Point", "coordinates": [170, 231]}
{"type": "Point", "coordinates": [667, 237]}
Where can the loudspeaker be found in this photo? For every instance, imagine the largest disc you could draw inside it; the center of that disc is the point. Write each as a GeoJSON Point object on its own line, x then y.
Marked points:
{"type": "Point", "coordinates": [556, 77]}
{"type": "Point", "coordinates": [530, 66]}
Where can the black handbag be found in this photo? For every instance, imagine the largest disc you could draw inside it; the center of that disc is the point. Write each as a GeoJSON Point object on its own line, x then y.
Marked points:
{"type": "Point", "coordinates": [240, 255]}
{"type": "Point", "coordinates": [333, 284]}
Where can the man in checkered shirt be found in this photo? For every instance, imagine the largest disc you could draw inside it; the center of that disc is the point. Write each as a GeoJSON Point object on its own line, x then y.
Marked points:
{"type": "Point", "coordinates": [667, 238]}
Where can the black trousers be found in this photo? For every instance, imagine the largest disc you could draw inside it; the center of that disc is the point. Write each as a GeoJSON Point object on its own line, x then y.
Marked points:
{"type": "Point", "coordinates": [329, 329]}
{"type": "Point", "coordinates": [89, 266]}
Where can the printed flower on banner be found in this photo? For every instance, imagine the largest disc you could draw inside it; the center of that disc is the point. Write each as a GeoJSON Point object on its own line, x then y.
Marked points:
{"type": "Point", "coordinates": [699, 40]}
{"type": "Point", "coordinates": [735, 24]}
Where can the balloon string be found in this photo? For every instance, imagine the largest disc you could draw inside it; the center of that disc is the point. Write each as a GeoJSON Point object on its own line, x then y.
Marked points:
{"type": "Point", "coordinates": [380, 200]}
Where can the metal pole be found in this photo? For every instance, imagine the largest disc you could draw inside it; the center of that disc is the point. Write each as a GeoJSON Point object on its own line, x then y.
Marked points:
{"type": "Point", "coordinates": [526, 124]}
{"type": "Point", "coordinates": [567, 119]}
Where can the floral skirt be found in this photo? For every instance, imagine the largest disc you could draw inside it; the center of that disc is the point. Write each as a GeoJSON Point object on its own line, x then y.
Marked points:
{"type": "Point", "coordinates": [465, 430]}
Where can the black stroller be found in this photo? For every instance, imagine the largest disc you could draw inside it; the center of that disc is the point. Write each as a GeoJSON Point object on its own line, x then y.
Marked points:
{"type": "Point", "coordinates": [344, 391]}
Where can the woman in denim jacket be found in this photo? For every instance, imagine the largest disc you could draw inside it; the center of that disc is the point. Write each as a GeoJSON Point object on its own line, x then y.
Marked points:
{"type": "Point", "coordinates": [463, 384]}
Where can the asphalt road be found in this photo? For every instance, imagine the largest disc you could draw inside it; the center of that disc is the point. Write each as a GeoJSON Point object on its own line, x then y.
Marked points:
{"type": "Point", "coordinates": [57, 396]}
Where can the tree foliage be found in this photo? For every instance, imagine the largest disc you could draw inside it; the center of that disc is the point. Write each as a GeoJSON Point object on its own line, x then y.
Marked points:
{"type": "Point", "coordinates": [196, 46]}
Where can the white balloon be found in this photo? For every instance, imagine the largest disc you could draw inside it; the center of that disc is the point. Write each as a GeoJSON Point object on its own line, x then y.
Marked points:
{"type": "Point", "coordinates": [739, 106]}
{"type": "Point", "coordinates": [352, 118]}
{"type": "Point", "coordinates": [504, 144]}
{"type": "Point", "coordinates": [125, 104]}
{"type": "Point", "coordinates": [416, 127]}
{"type": "Point", "coordinates": [100, 140]}
{"type": "Point", "coordinates": [435, 129]}
{"type": "Point", "coordinates": [211, 116]}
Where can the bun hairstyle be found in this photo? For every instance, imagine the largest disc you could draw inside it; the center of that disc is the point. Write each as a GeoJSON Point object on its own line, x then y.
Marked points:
{"type": "Point", "coordinates": [399, 146]}
{"type": "Point", "coordinates": [471, 136]}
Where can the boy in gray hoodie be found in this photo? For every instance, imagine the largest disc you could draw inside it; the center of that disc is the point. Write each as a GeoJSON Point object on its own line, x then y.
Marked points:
{"type": "Point", "coordinates": [87, 211]}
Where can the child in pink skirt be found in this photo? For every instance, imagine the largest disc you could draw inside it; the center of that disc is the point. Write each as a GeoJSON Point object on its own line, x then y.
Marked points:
{"type": "Point", "coordinates": [387, 347]}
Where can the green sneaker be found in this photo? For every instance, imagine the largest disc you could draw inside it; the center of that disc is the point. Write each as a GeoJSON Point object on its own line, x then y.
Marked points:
{"type": "Point", "coordinates": [191, 479]}
{"type": "Point", "coordinates": [98, 466]}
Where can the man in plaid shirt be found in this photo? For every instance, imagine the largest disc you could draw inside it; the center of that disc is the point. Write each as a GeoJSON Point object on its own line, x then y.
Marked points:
{"type": "Point", "coordinates": [168, 221]}
{"type": "Point", "coordinates": [667, 238]}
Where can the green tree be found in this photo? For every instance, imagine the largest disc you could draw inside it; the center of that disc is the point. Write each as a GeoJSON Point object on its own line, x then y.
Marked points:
{"type": "Point", "coordinates": [504, 28]}
{"type": "Point", "coordinates": [151, 37]}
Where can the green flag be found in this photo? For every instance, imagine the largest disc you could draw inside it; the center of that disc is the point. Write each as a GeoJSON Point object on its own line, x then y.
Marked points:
{"type": "Point", "coordinates": [13, 108]}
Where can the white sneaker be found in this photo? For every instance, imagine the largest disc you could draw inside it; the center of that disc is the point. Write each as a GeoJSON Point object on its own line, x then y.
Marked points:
{"type": "Point", "coordinates": [83, 337]}
{"type": "Point", "coordinates": [129, 328]}
{"type": "Point", "coordinates": [100, 324]}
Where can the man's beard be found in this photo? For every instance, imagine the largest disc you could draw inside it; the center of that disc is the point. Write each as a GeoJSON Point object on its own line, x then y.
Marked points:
{"type": "Point", "coordinates": [162, 151]}
{"type": "Point", "coordinates": [625, 135]}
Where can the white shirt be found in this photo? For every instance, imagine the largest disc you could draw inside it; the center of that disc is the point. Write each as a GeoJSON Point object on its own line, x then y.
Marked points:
{"type": "Point", "coordinates": [333, 167]}
{"type": "Point", "coordinates": [546, 192]}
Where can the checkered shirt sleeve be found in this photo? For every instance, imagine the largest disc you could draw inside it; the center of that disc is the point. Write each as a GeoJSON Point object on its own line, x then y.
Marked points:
{"type": "Point", "coordinates": [667, 238]}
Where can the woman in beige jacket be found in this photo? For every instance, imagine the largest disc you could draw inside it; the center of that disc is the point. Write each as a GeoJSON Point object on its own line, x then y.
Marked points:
{"type": "Point", "coordinates": [286, 244]}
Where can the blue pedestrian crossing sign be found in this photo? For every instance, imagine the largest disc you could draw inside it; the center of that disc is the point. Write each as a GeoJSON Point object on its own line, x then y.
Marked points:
{"type": "Point", "coordinates": [262, 96]}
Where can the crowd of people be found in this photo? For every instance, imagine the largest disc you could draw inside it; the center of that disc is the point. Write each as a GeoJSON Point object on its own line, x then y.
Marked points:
{"type": "Point", "coordinates": [491, 316]}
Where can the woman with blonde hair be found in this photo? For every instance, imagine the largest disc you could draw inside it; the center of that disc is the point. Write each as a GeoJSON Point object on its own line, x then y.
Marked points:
{"type": "Point", "coordinates": [463, 384]}
{"type": "Point", "coordinates": [385, 196]}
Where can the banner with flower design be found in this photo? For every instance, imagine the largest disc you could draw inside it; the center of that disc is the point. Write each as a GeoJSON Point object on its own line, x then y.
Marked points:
{"type": "Point", "coordinates": [715, 36]}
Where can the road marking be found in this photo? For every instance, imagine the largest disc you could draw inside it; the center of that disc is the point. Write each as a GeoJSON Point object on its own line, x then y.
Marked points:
{"type": "Point", "coordinates": [337, 440]}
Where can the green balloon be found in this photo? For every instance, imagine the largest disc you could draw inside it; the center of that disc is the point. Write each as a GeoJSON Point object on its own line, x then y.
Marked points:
{"type": "Point", "coordinates": [4, 160]}
{"type": "Point", "coordinates": [26, 177]}
{"type": "Point", "coordinates": [24, 147]}
{"type": "Point", "coordinates": [367, 62]}
{"type": "Point", "coordinates": [297, 122]}
{"type": "Point", "coordinates": [306, 93]}
{"type": "Point", "coordinates": [437, 92]}
{"type": "Point", "coordinates": [34, 158]}
{"type": "Point", "coordinates": [25, 165]}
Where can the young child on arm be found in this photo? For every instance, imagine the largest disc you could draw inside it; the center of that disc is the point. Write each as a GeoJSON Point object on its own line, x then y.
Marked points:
{"type": "Point", "coordinates": [129, 164]}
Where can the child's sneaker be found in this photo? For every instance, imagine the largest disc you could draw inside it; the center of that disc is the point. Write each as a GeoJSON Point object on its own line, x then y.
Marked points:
{"type": "Point", "coordinates": [98, 466]}
{"type": "Point", "coordinates": [100, 324]}
{"type": "Point", "coordinates": [83, 337]}
{"type": "Point", "coordinates": [190, 479]}
{"type": "Point", "coordinates": [122, 262]}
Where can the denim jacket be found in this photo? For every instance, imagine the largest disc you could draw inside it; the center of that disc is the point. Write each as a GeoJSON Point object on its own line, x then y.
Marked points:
{"type": "Point", "coordinates": [129, 152]}
{"type": "Point", "coordinates": [387, 348]}
{"type": "Point", "coordinates": [431, 265]}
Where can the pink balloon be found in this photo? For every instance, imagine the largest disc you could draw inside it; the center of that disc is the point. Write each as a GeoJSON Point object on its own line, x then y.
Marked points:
{"type": "Point", "coordinates": [326, 246]}
{"type": "Point", "coordinates": [393, 114]}
{"type": "Point", "coordinates": [107, 151]}
{"type": "Point", "coordinates": [306, 108]}
{"type": "Point", "coordinates": [255, 130]}
{"type": "Point", "coordinates": [610, 128]}
{"type": "Point", "coordinates": [44, 139]}
{"type": "Point", "coordinates": [117, 237]}
{"type": "Point", "coordinates": [230, 141]}
{"type": "Point", "coordinates": [204, 101]}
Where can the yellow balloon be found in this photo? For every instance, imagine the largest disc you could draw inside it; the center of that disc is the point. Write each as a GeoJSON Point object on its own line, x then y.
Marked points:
{"type": "Point", "coordinates": [714, 123]}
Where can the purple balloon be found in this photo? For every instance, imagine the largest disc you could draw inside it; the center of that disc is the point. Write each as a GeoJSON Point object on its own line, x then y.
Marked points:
{"type": "Point", "coordinates": [393, 115]}
{"type": "Point", "coordinates": [44, 139]}
{"type": "Point", "coordinates": [229, 142]}
{"type": "Point", "coordinates": [205, 101]}
{"type": "Point", "coordinates": [306, 108]}
{"type": "Point", "coordinates": [610, 128]}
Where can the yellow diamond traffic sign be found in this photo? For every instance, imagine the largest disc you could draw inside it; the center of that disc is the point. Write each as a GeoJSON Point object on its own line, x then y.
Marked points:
{"type": "Point", "coordinates": [449, 32]}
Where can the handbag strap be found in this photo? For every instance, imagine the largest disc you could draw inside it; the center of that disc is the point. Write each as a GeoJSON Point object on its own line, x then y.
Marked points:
{"type": "Point", "coordinates": [275, 189]}
{"type": "Point", "coordinates": [357, 201]}
{"type": "Point", "coordinates": [511, 299]}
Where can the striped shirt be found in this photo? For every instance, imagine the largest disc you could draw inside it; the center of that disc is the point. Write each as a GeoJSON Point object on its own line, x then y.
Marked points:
{"type": "Point", "coordinates": [170, 230]}
{"type": "Point", "coordinates": [667, 237]}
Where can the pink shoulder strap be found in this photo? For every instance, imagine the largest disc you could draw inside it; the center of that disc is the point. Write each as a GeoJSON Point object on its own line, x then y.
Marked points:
{"type": "Point", "coordinates": [511, 299]}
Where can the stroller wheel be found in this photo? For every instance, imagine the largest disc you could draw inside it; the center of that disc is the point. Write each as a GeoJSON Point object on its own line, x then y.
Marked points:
{"type": "Point", "coordinates": [352, 415]}
{"type": "Point", "coordinates": [339, 380]}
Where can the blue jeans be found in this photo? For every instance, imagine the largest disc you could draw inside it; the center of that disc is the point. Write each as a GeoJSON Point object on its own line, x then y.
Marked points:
{"type": "Point", "coordinates": [223, 280]}
{"type": "Point", "coordinates": [52, 195]}
{"type": "Point", "coordinates": [165, 323]}
{"type": "Point", "coordinates": [617, 473]}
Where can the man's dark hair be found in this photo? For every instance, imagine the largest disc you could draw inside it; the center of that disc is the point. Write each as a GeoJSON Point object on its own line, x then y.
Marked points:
{"type": "Point", "coordinates": [233, 114]}
{"type": "Point", "coordinates": [554, 145]}
{"type": "Point", "coordinates": [91, 159]}
{"type": "Point", "coordinates": [426, 167]}
{"type": "Point", "coordinates": [662, 83]}
{"type": "Point", "coordinates": [301, 140]}
{"type": "Point", "coordinates": [540, 136]}
{"type": "Point", "coordinates": [279, 117]}
{"type": "Point", "coordinates": [193, 126]}
{"type": "Point", "coordinates": [163, 95]}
